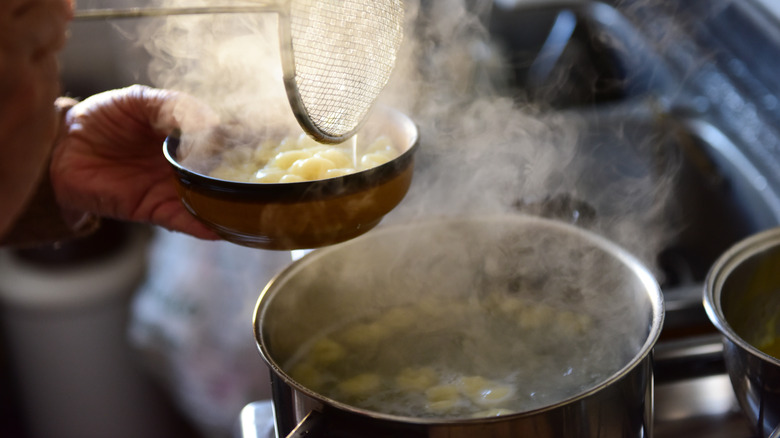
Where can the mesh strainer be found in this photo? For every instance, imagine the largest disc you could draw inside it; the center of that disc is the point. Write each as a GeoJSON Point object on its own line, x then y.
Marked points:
{"type": "Point", "coordinates": [337, 55]}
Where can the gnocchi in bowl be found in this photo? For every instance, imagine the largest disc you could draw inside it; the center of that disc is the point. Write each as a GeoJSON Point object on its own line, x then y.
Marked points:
{"type": "Point", "coordinates": [297, 194]}
{"type": "Point", "coordinates": [298, 158]}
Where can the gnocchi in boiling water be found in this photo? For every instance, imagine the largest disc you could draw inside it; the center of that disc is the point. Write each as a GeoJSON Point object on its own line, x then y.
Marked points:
{"type": "Point", "coordinates": [460, 358]}
{"type": "Point", "coordinates": [300, 158]}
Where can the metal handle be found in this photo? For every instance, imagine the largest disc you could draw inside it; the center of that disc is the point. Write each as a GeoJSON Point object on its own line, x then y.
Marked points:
{"type": "Point", "coordinates": [108, 14]}
{"type": "Point", "coordinates": [313, 425]}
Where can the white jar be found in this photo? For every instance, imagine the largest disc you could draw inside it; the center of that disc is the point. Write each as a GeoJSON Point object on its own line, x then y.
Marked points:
{"type": "Point", "coordinates": [65, 324]}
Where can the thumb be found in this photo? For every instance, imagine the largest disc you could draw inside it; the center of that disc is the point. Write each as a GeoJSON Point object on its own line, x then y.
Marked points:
{"type": "Point", "coordinates": [182, 111]}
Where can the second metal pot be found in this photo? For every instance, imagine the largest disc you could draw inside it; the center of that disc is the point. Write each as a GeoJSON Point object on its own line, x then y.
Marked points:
{"type": "Point", "coordinates": [742, 299]}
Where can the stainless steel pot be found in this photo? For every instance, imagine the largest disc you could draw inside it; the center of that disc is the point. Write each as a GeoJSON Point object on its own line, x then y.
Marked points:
{"type": "Point", "coordinates": [742, 298]}
{"type": "Point", "coordinates": [451, 258]}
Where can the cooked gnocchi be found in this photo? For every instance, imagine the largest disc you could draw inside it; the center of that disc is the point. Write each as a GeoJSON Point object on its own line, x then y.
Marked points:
{"type": "Point", "coordinates": [416, 379]}
{"type": "Point", "coordinates": [360, 385]}
{"type": "Point", "coordinates": [484, 392]}
{"type": "Point", "coordinates": [300, 158]}
{"type": "Point", "coordinates": [469, 357]}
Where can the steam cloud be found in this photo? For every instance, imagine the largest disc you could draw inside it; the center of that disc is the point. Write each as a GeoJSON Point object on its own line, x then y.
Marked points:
{"type": "Point", "coordinates": [481, 152]}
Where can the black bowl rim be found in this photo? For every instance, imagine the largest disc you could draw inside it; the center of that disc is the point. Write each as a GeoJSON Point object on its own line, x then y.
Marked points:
{"type": "Point", "coordinates": [289, 192]}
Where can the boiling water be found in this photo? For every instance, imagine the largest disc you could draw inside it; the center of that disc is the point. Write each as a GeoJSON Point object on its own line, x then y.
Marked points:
{"type": "Point", "coordinates": [468, 358]}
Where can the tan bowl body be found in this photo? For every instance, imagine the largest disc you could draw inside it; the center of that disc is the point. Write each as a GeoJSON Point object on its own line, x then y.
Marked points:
{"type": "Point", "coordinates": [296, 225]}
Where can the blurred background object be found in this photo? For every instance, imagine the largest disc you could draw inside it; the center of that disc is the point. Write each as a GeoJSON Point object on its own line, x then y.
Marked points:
{"type": "Point", "coordinates": [64, 313]}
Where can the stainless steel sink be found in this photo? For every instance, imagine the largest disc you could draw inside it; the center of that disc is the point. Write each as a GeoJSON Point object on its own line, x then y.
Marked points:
{"type": "Point", "coordinates": [640, 123]}
{"type": "Point", "coordinates": [575, 53]}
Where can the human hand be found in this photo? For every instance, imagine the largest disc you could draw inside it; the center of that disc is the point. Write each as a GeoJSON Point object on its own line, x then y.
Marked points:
{"type": "Point", "coordinates": [110, 161]}
{"type": "Point", "coordinates": [32, 32]}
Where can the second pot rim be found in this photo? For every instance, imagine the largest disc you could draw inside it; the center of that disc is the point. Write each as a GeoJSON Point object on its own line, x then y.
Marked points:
{"type": "Point", "coordinates": [717, 276]}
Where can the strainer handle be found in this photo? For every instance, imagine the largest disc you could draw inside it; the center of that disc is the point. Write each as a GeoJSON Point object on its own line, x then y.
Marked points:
{"type": "Point", "coordinates": [258, 6]}
{"type": "Point", "coordinates": [775, 433]}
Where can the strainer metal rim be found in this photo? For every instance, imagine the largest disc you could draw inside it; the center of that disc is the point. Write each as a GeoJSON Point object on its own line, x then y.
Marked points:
{"type": "Point", "coordinates": [292, 89]}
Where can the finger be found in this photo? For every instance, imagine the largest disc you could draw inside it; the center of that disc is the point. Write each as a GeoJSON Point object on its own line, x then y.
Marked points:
{"type": "Point", "coordinates": [171, 214]}
{"type": "Point", "coordinates": [186, 223]}
{"type": "Point", "coordinates": [167, 110]}
{"type": "Point", "coordinates": [186, 113]}
{"type": "Point", "coordinates": [152, 111]}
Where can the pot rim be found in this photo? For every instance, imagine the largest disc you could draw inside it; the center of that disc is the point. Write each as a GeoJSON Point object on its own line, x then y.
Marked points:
{"type": "Point", "coordinates": [643, 275]}
{"type": "Point", "coordinates": [717, 276]}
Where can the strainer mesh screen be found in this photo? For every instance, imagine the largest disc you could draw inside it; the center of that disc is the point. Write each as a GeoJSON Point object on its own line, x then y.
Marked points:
{"type": "Point", "coordinates": [344, 52]}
